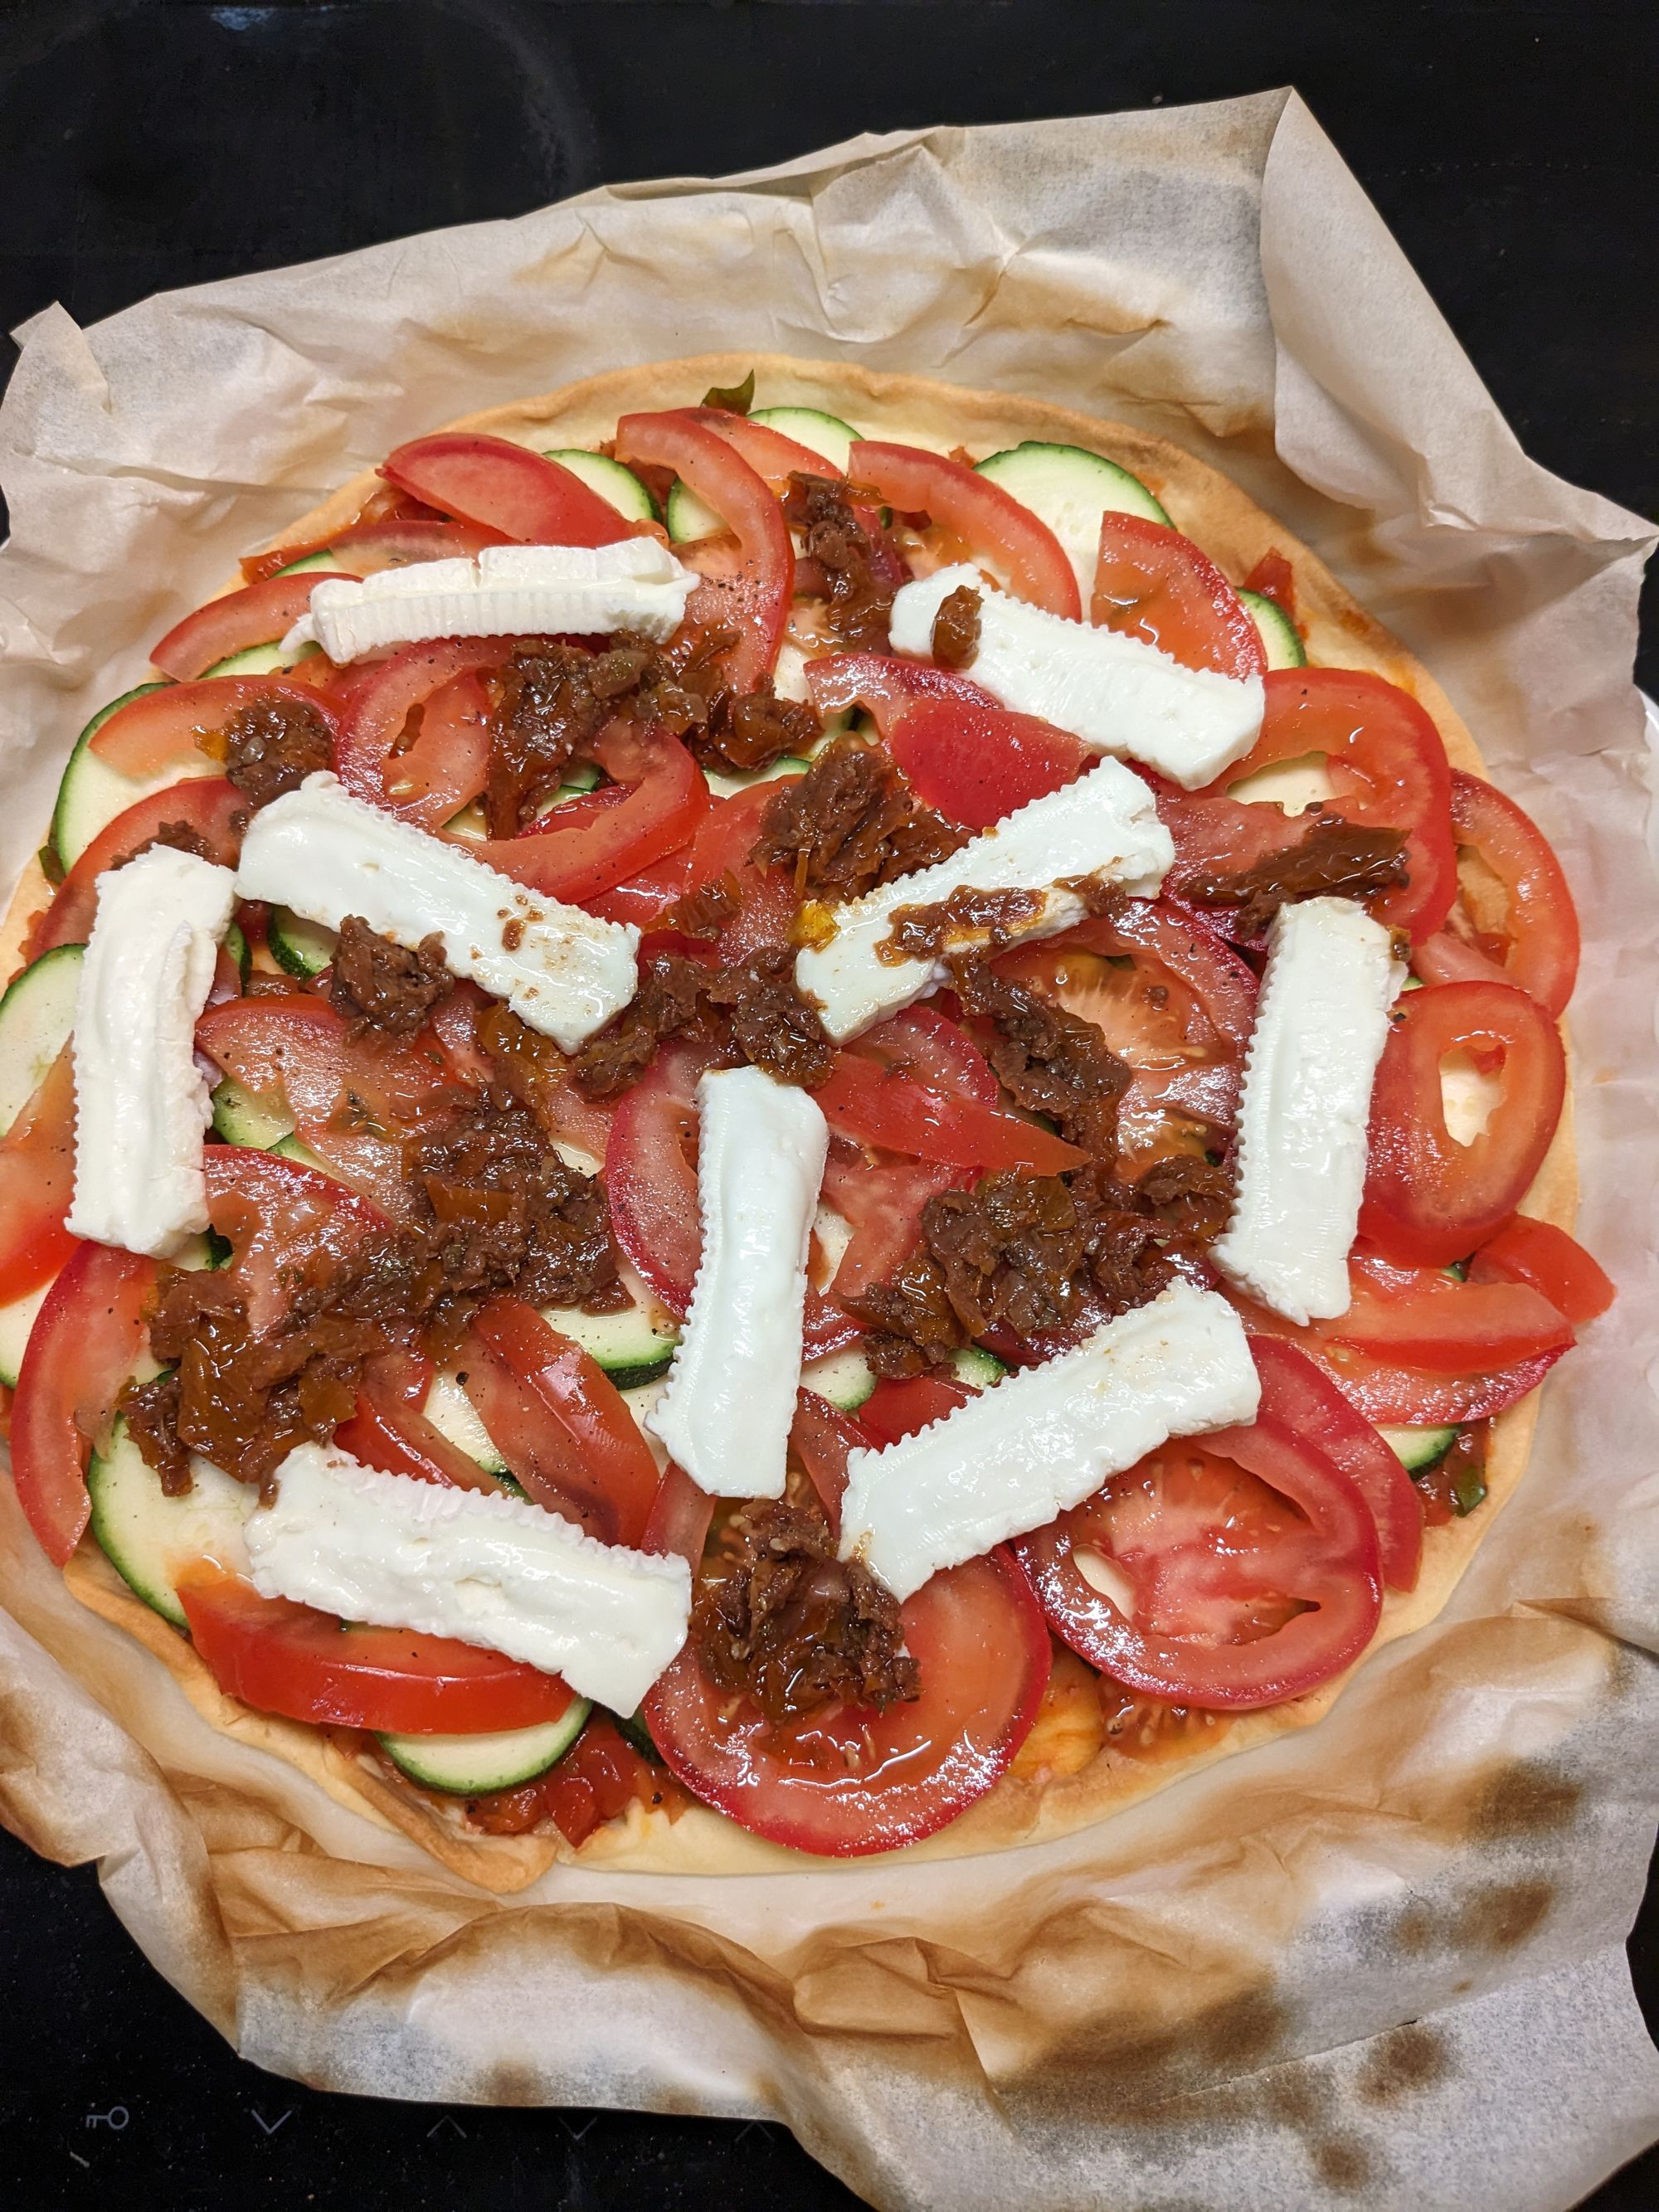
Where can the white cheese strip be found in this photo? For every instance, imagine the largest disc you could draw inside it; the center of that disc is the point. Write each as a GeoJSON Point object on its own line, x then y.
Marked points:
{"type": "Point", "coordinates": [1103, 824]}
{"type": "Point", "coordinates": [141, 1105]}
{"type": "Point", "coordinates": [725, 1415]}
{"type": "Point", "coordinates": [1321, 1021]}
{"type": "Point", "coordinates": [1118, 694]}
{"type": "Point", "coordinates": [1046, 1438]}
{"type": "Point", "coordinates": [325, 855]}
{"type": "Point", "coordinates": [487, 1569]}
{"type": "Point", "coordinates": [509, 591]}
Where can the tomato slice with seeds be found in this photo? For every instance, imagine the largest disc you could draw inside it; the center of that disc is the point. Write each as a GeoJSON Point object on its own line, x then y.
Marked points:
{"type": "Point", "coordinates": [998, 531]}
{"type": "Point", "coordinates": [1387, 768]}
{"type": "Point", "coordinates": [1230, 1573]}
{"type": "Point", "coordinates": [83, 1347]}
{"type": "Point", "coordinates": [504, 487]}
{"type": "Point", "coordinates": [283, 1221]}
{"type": "Point", "coordinates": [883, 1203]}
{"type": "Point", "coordinates": [653, 807]}
{"type": "Point", "coordinates": [259, 614]}
{"type": "Point", "coordinates": [1171, 1000]}
{"type": "Point", "coordinates": [751, 593]}
{"type": "Point", "coordinates": [290, 1659]}
{"type": "Point", "coordinates": [848, 1780]}
{"type": "Point", "coordinates": [367, 758]}
{"type": "Point", "coordinates": [1152, 584]}
{"type": "Point", "coordinates": [1429, 1198]}
{"type": "Point", "coordinates": [353, 1099]}
{"type": "Point", "coordinates": [1535, 943]}
{"type": "Point", "coordinates": [209, 806]}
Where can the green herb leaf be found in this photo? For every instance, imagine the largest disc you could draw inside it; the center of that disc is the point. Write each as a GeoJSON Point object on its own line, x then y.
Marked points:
{"type": "Point", "coordinates": [50, 867]}
{"type": "Point", "coordinates": [736, 399]}
{"type": "Point", "coordinates": [1469, 1491]}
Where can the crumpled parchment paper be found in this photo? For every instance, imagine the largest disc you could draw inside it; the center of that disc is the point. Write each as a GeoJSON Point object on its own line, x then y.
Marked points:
{"type": "Point", "coordinates": [1377, 1963]}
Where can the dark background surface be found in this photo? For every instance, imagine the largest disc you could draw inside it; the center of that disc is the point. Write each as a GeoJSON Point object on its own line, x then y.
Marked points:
{"type": "Point", "coordinates": [1511, 144]}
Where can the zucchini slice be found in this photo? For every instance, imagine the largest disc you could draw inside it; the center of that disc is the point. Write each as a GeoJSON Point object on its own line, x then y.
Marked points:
{"type": "Point", "coordinates": [17, 1320]}
{"type": "Point", "coordinates": [819, 433]}
{"type": "Point", "coordinates": [36, 1017]}
{"type": "Point", "coordinates": [845, 1378]}
{"type": "Point", "coordinates": [148, 1538]}
{"type": "Point", "coordinates": [453, 1415]}
{"type": "Point", "coordinates": [92, 793]}
{"type": "Point", "coordinates": [687, 516]}
{"type": "Point", "coordinates": [260, 659]}
{"type": "Point", "coordinates": [1281, 637]}
{"type": "Point", "coordinates": [633, 1347]}
{"type": "Point", "coordinates": [473, 1765]}
{"type": "Point", "coordinates": [1418, 1449]}
{"type": "Point", "coordinates": [328, 558]}
{"type": "Point", "coordinates": [300, 948]}
{"type": "Point", "coordinates": [242, 1118]}
{"type": "Point", "coordinates": [1070, 489]}
{"type": "Point", "coordinates": [619, 487]}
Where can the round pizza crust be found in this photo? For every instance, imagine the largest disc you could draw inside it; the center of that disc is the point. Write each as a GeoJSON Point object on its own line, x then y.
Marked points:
{"type": "Point", "coordinates": [1036, 1802]}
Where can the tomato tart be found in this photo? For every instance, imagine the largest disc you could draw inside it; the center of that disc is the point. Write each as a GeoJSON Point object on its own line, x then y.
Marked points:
{"type": "Point", "coordinates": [766, 1109]}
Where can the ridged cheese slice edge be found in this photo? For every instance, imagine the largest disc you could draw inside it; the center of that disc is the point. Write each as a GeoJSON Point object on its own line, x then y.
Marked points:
{"type": "Point", "coordinates": [1042, 1440]}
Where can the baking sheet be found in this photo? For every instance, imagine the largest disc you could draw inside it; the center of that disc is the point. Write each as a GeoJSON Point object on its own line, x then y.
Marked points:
{"type": "Point", "coordinates": [1299, 1975]}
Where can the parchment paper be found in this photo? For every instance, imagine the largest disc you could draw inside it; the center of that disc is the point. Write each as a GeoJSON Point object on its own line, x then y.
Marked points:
{"type": "Point", "coordinates": [1378, 1963]}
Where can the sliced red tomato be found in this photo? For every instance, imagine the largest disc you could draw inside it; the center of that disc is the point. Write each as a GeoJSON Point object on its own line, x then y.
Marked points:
{"type": "Point", "coordinates": [506, 487]}
{"type": "Point", "coordinates": [1174, 1003]}
{"type": "Point", "coordinates": [888, 687]}
{"type": "Point", "coordinates": [1555, 1264]}
{"type": "Point", "coordinates": [1239, 1581]}
{"type": "Point", "coordinates": [975, 765]}
{"type": "Point", "coordinates": [1390, 1391]}
{"type": "Point", "coordinates": [650, 1180]}
{"type": "Point", "coordinates": [848, 1780]}
{"type": "Point", "coordinates": [1298, 1396]}
{"type": "Point", "coordinates": [646, 898]}
{"type": "Point", "coordinates": [283, 1222]}
{"type": "Point", "coordinates": [1430, 1200]}
{"type": "Point", "coordinates": [584, 851]}
{"type": "Point", "coordinates": [559, 1422]}
{"type": "Point", "coordinates": [353, 1099]}
{"type": "Point", "coordinates": [366, 547]}
{"type": "Point", "coordinates": [168, 725]}
{"type": "Point", "coordinates": [1536, 947]}
{"type": "Point", "coordinates": [753, 597]}
{"type": "Point", "coordinates": [597, 1780]}
{"type": "Point", "coordinates": [1007, 537]}
{"type": "Point", "coordinates": [895, 1409]}
{"type": "Point", "coordinates": [1422, 1317]}
{"type": "Point", "coordinates": [82, 1350]}
{"type": "Point", "coordinates": [1387, 768]}
{"type": "Point", "coordinates": [259, 614]}
{"type": "Point", "coordinates": [882, 1107]}
{"type": "Point", "coordinates": [1274, 578]}
{"type": "Point", "coordinates": [290, 1659]}
{"type": "Point", "coordinates": [883, 1203]}
{"type": "Point", "coordinates": [372, 727]}
{"type": "Point", "coordinates": [37, 1180]}
{"type": "Point", "coordinates": [446, 766]}
{"type": "Point", "coordinates": [771, 454]}
{"type": "Point", "coordinates": [397, 1437]}
{"type": "Point", "coordinates": [209, 806]}
{"type": "Point", "coordinates": [1152, 584]}
{"type": "Point", "coordinates": [923, 1042]}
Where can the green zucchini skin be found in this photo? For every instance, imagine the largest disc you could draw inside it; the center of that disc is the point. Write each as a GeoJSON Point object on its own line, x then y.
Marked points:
{"type": "Point", "coordinates": [475, 1766]}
